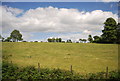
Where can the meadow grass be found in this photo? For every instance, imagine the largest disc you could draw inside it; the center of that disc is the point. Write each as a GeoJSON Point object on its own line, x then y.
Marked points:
{"type": "Point", "coordinates": [84, 57]}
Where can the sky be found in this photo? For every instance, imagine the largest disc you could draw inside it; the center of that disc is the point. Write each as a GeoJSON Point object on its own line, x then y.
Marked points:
{"type": "Point", "coordinates": [38, 21]}
{"type": "Point", "coordinates": [59, 0]}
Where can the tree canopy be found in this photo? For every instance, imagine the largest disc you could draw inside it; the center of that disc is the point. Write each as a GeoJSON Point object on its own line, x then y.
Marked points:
{"type": "Point", "coordinates": [118, 33]}
{"type": "Point", "coordinates": [54, 40]}
{"type": "Point", "coordinates": [16, 36]}
{"type": "Point", "coordinates": [90, 39]}
{"type": "Point", "coordinates": [1, 38]}
{"type": "Point", "coordinates": [69, 41]}
{"type": "Point", "coordinates": [82, 40]}
{"type": "Point", "coordinates": [110, 31]}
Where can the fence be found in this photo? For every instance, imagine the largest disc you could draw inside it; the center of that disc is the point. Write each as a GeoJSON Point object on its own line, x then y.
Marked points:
{"type": "Point", "coordinates": [71, 70]}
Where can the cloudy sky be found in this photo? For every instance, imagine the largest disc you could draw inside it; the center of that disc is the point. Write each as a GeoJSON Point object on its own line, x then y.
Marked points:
{"type": "Point", "coordinates": [67, 20]}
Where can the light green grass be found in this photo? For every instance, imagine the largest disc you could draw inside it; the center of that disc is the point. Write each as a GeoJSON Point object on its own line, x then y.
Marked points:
{"type": "Point", "coordinates": [85, 58]}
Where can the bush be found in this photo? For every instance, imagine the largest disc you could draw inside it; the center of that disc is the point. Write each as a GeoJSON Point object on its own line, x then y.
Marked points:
{"type": "Point", "coordinates": [12, 72]}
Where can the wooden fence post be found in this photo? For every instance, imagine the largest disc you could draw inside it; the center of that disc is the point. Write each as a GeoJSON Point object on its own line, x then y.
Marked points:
{"type": "Point", "coordinates": [11, 62]}
{"type": "Point", "coordinates": [106, 72]}
{"type": "Point", "coordinates": [38, 67]}
{"type": "Point", "coordinates": [18, 80]}
{"type": "Point", "coordinates": [71, 69]}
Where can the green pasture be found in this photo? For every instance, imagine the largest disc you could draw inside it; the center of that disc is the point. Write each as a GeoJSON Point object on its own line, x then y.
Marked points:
{"type": "Point", "coordinates": [84, 57]}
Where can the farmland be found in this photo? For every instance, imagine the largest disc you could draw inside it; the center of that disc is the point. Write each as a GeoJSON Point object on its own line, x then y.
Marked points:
{"type": "Point", "coordinates": [84, 57]}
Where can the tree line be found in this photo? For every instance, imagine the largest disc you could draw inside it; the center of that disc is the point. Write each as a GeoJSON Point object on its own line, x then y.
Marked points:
{"type": "Point", "coordinates": [110, 34]}
{"type": "Point", "coordinates": [58, 40]}
{"type": "Point", "coordinates": [15, 36]}
{"type": "Point", "coordinates": [54, 40]}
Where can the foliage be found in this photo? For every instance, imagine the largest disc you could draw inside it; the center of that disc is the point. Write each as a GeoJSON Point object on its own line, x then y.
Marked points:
{"type": "Point", "coordinates": [110, 31]}
{"type": "Point", "coordinates": [83, 40]}
{"type": "Point", "coordinates": [97, 39]}
{"type": "Point", "coordinates": [60, 40]}
{"type": "Point", "coordinates": [118, 33]}
{"type": "Point", "coordinates": [11, 71]}
{"type": "Point", "coordinates": [24, 41]}
{"type": "Point", "coordinates": [54, 40]}
{"type": "Point", "coordinates": [1, 38]}
{"type": "Point", "coordinates": [62, 55]}
{"type": "Point", "coordinates": [90, 39]}
{"type": "Point", "coordinates": [80, 40]}
{"type": "Point", "coordinates": [69, 41]}
{"type": "Point", "coordinates": [16, 36]}
{"type": "Point", "coordinates": [35, 41]}
{"type": "Point", "coordinates": [111, 34]}
{"type": "Point", "coordinates": [8, 39]}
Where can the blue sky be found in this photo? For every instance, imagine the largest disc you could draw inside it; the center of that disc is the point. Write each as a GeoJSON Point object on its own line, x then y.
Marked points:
{"type": "Point", "coordinates": [86, 6]}
{"type": "Point", "coordinates": [59, 0]}
{"type": "Point", "coordinates": [66, 32]}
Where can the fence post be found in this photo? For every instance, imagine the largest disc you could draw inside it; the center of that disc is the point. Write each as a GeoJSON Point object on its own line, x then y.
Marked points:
{"type": "Point", "coordinates": [71, 69]}
{"type": "Point", "coordinates": [106, 72]}
{"type": "Point", "coordinates": [38, 67]}
{"type": "Point", "coordinates": [11, 62]}
{"type": "Point", "coordinates": [18, 80]}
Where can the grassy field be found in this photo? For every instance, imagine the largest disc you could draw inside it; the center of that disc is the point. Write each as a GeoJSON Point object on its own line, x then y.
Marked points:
{"type": "Point", "coordinates": [85, 58]}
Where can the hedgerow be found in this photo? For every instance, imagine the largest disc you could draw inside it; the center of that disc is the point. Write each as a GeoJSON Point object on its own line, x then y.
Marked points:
{"type": "Point", "coordinates": [12, 72]}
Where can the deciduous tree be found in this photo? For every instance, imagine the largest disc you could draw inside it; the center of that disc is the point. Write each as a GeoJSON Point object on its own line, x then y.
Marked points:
{"type": "Point", "coordinates": [110, 31]}
{"type": "Point", "coordinates": [90, 39]}
{"type": "Point", "coordinates": [118, 33]}
{"type": "Point", "coordinates": [16, 36]}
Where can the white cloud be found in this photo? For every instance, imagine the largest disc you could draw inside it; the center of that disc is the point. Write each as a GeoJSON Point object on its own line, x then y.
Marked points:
{"type": "Point", "coordinates": [119, 20]}
{"type": "Point", "coordinates": [77, 36]}
{"type": "Point", "coordinates": [9, 18]}
{"type": "Point", "coordinates": [110, 0]}
{"type": "Point", "coordinates": [14, 11]}
{"type": "Point", "coordinates": [0, 20]}
{"type": "Point", "coordinates": [52, 19]}
{"type": "Point", "coordinates": [87, 31]}
{"type": "Point", "coordinates": [26, 35]}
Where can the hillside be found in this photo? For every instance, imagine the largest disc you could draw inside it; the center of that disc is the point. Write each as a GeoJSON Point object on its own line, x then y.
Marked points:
{"type": "Point", "coordinates": [84, 58]}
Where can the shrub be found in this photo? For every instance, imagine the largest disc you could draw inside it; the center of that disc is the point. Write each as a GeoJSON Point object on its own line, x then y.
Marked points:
{"type": "Point", "coordinates": [29, 73]}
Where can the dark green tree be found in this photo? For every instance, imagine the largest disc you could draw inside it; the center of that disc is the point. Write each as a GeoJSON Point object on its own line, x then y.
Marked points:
{"type": "Point", "coordinates": [118, 33]}
{"type": "Point", "coordinates": [8, 39]}
{"type": "Point", "coordinates": [96, 39]}
{"type": "Point", "coordinates": [84, 40]}
{"type": "Point", "coordinates": [90, 39]}
{"type": "Point", "coordinates": [49, 40]}
{"type": "Point", "coordinates": [80, 40]}
{"type": "Point", "coordinates": [1, 38]}
{"type": "Point", "coordinates": [53, 39]}
{"type": "Point", "coordinates": [57, 39]}
{"type": "Point", "coordinates": [60, 39]}
{"type": "Point", "coordinates": [110, 31]}
{"type": "Point", "coordinates": [16, 36]}
{"type": "Point", "coordinates": [69, 41]}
